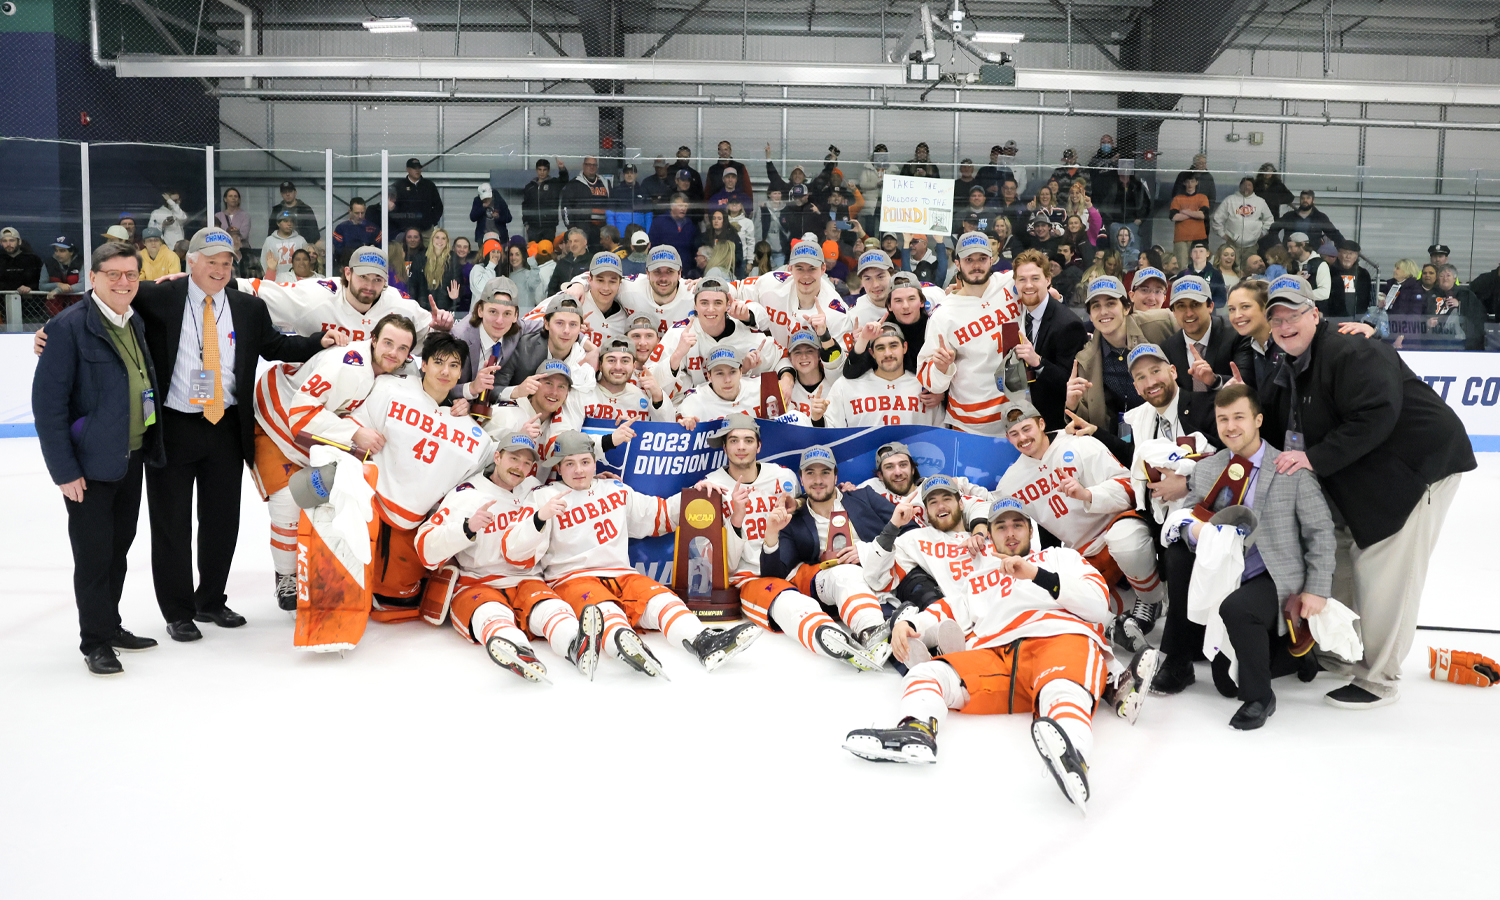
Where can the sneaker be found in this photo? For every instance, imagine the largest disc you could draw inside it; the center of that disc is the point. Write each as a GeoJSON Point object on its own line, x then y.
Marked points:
{"type": "Point", "coordinates": [588, 643]}
{"type": "Point", "coordinates": [1125, 632]}
{"type": "Point", "coordinates": [1352, 696]}
{"type": "Point", "coordinates": [634, 652]}
{"type": "Point", "coordinates": [1134, 685]}
{"type": "Point", "coordinates": [1063, 761]}
{"type": "Point", "coordinates": [838, 644]}
{"type": "Point", "coordinates": [518, 659]}
{"type": "Point", "coordinates": [877, 642]}
{"type": "Point", "coordinates": [714, 646]}
{"type": "Point", "coordinates": [911, 741]}
{"type": "Point", "coordinates": [286, 592]}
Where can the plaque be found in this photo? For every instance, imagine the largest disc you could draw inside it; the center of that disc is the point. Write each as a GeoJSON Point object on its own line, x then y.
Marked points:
{"type": "Point", "coordinates": [840, 538]}
{"type": "Point", "coordinates": [700, 562]}
{"type": "Point", "coordinates": [1229, 490]}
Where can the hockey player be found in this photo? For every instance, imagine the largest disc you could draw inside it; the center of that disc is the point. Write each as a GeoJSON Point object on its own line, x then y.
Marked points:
{"type": "Point", "coordinates": [887, 396]}
{"type": "Point", "coordinates": [427, 450]}
{"type": "Point", "coordinates": [578, 536]}
{"type": "Point", "coordinates": [619, 394]}
{"type": "Point", "coordinates": [800, 297]}
{"type": "Point", "coordinates": [875, 273]}
{"type": "Point", "coordinates": [897, 478]}
{"type": "Point", "coordinates": [352, 304]}
{"type": "Point", "coordinates": [597, 298]}
{"type": "Point", "coordinates": [687, 345]}
{"type": "Point", "coordinates": [727, 392]}
{"type": "Point", "coordinates": [560, 338]}
{"type": "Point", "coordinates": [296, 405]}
{"type": "Point", "coordinates": [807, 374]}
{"type": "Point", "coordinates": [1075, 489]}
{"type": "Point", "coordinates": [495, 591]}
{"type": "Point", "coordinates": [963, 344]}
{"type": "Point", "coordinates": [662, 292]}
{"type": "Point", "coordinates": [1037, 644]}
{"type": "Point", "coordinates": [553, 409]}
{"type": "Point", "coordinates": [772, 602]}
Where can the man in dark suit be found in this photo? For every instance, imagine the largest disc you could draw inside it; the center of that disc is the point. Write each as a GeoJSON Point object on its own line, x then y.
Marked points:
{"type": "Point", "coordinates": [1051, 337]}
{"type": "Point", "coordinates": [1207, 344]}
{"type": "Point", "coordinates": [205, 357]}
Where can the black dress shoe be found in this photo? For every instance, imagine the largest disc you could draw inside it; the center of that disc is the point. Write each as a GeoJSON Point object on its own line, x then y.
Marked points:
{"type": "Point", "coordinates": [124, 640]}
{"type": "Point", "coordinates": [1222, 682]}
{"type": "Point", "coordinates": [102, 661]}
{"type": "Point", "coordinates": [224, 617]}
{"type": "Point", "coordinates": [1173, 677]}
{"type": "Point", "coordinates": [183, 631]}
{"type": "Point", "coordinates": [1253, 714]}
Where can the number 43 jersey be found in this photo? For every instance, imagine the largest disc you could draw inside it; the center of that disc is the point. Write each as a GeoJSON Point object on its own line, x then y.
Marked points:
{"type": "Point", "coordinates": [427, 451]}
{"type": "Point", "coordinates": [1037, 485]}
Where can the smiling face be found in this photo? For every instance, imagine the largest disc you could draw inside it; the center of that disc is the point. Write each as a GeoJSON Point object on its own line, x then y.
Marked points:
{"type": "Point", "coordinates": [944, 511]}
{"type": "Point", "coordinates": [876, 282]}
{"type": "Point", "coordinates": [212, 273]}
{"type": "Point", "coordinates": [725, 381]}
{"type": "Point", "coordinates": [1155, 380]}
{"type": "Point", "coordinates": [740, 446]}
{"type": "Point", "coordinates": [710, 307]}
{"type": "Point", "coordinates": [1029, 437]}
{"type": "Point", "coordinates": [441, 373]}
{"type": "Point", "coordinates": [664, 281]}
{"type": "Point", "coordinates": [1239, 426]}
{"type": "Point", "coordinates": [1293, 329]}
{"type": "Point", "coordinates": [1245, 314]}
{"type": "Point", "coordinates": [562, 332]}
{"type": "Point", "coordinates": [392, 346]}
{"type": "Point", "coordinates": [1193, 316]}
{"type": "Point", "coordinates": [364, 287]}
{"type": "Point", "coordinates": [645, 340]}
{"type": "Point", "coordinates": [616, 367]}
{"type": "Point", "coordinates": [577, 471]}
{"type": "Point", "coordinates": [806, 274]}
{"type": "Point", "coordinates": [550, 394]}
{"type": "Point", "coordinates": [906, 304]}
{"type": "Point", "coordinates": [890, 355]}
{"type": "Point", "coordinates": [896, 474]}
{"type": "Point", "coordinates": [512, 467]}
{"type": "Point", "coordinates": [1011, 535]}
{"type": "Point", "coordinates": [1107, 314]}
{"type": "Point", "coordinates": [819, 482]}
{"type": "Point", "coordinates": [807, 362]}
{"type": "Point", "coordinates": [1031, 284]}
{"type": "Point", "coordinates": [497, 319]}
{"type": "Point", "coordinates": [117, 280]}
{"type": "Point", "coordinates": [605, 287]}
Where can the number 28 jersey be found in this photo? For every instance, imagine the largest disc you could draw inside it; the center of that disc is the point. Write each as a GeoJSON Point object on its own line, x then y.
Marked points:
{"type": "Point", "coordinates": [427, 451]}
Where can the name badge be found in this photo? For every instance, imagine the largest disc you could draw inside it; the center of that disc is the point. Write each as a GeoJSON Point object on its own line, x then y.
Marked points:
{"type": "Point", "coordinates": [201, 384]}
{"type": "Point", "coordinates": [148, 407]}
{"type": "Point", "coordinates": [1295, 441]}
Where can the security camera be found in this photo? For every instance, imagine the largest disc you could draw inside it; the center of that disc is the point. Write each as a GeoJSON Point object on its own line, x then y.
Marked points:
{"type": "Point", "coordinates": [8, 8]}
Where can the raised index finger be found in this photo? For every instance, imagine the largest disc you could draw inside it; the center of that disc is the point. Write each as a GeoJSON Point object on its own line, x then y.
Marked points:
{"type": "Point", "coordinates": [1075, 369]}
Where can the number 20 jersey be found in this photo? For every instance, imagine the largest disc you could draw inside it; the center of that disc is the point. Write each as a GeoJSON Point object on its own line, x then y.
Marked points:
{"type": "Point", "coordinates": [426, 452]}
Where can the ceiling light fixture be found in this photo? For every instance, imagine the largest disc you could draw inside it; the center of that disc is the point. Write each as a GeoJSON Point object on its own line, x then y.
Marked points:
{"type": "Point", "coordinates": [998, 37]}
{"type": "Point", "coordinates": [390, 25]}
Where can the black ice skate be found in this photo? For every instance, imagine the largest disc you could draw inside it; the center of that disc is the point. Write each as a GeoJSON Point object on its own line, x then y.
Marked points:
{"type": "Point", "coordinates": [841, 646]}
{"type": "Point", "coordinates": [634, 652]}
{"type": "Point", "coordinates": [911, 741]}
{"type": "Point", "coordinates": [286, 592]}
{"type": "Point", "coordinates": [714, 646]}
{"type": "Point", "coordinates": [588, 643]}
{"type": "Point", "coordinates": [1063, 761]}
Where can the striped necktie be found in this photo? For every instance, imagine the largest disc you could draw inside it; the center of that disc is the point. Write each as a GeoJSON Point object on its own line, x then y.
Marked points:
{"type": "Point", "coordinates": [213, 411]}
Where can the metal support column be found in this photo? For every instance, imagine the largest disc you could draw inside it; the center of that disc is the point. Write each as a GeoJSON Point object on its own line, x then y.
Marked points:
{"type": "Point", "coordinates": [385, 195]}
{"type": "Point", "coordinates": [1437, 185]}
{"type": "Point", "coordinates": [698, 141]}
{"type": "Point", "coordinates": [1360, 170]}
{"type": "Point", "coordinates": [1041, 100]}
{"type": "Point", "coordinates": [956, 115]}
{"type": "Point", "coordinates": [783, 134]}
{"type": "Point", "coordinates": [1286, 110]}
{"type": "Point", "coordinates": [208, 178]}
{"type": "Point", "coordinates": [871, 147]}
{"type": "Point", "coordinates": [526, 129]}
{"type": "Point", "coordinates": [1203, 127]}
{"type": "Point", "coordinates": [88, 212]}
{"type": "Point", "coordinates": [328, 212]}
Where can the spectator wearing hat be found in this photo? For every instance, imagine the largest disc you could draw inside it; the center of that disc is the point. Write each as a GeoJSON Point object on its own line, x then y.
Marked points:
{"type": "Point", "coordinates": [62, 276]}
{"type": "Point", "coordinates": [1042, 235]}
{"type": "Point", "coordinates": [1350, 289]}
{"type": "Point", "coordinates": [1190, 211]}
{"type": "Point", "coordinates": [1459, 312]}
{"type": "Point", "coordinates": [973, 205]}
{"type": "Point", "coordinates": [489, 213]}
{"type": "Point", "coordinates": [1149, 286]}
{"type": "Point", "coordinates": [1206, 344]}
{"type": "Point", "coordinates": [658, 187]}
{"type": "Point", "coordinates": [1437, 254]}
{"type": "Point", "coordinates": [1051, 337]}
{"type": "Point", "coordinates": [635, 261]}
{"type": "Point", "coordinates": [1388, 452]}
{"type": "Point", "coordinates": [799, 216]}
{"type": "Point", "coordinates": [1069, 169]}
{"type": "Point", "coordinates": [355, 231]}
{"type": "Point", "coordinates": [730, 188]}
{"type": "Point", "coordinates": [157, 260]}
{"type": "Point", "coordinates": [1311, 266]}
{"type": "Point", "coordinates": [629, 203]}
{"type": "Point", "coordinates": [1102, 389]}
{"type": "Point", "coordinates": [540, 199]}
{"type": "Point", "coordinates": [132, 236]}
{"type": "Point", "coordinates": [693, 185]}
{"type": "Point", "coordinates": [418, 204]}
{"type": "Point", "coordinates": [20, 269]}
{"type": "Point", "coordinates": [1242, 219]}
{"type": "Point", "coordinates": [276, 252]}
{"type": "Point", "coordinates": [714, 180]}
{"type": "Point", "coordinates": [1307, 219]}
{"type": "Point", "coordinates": [303, 220]}
{"type": "Point", "coordinates": [927, 259]}
{"type": "Point", "coordinates": [1199, 265]}
{"type": "Point", "coordinates": [992, 176]}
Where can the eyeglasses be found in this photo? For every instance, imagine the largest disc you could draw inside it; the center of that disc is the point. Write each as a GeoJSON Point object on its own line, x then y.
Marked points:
{"type": "Point", "coordinates": [113, 275]}
{"type": "Point", "coordinates": [1293, 319]}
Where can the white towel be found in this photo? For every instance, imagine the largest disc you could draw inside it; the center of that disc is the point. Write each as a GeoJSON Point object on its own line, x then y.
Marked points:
{"type": "Point", "coordinates": [1333, 629]}
{"type": "Point", "coordinates": [1217, 572]}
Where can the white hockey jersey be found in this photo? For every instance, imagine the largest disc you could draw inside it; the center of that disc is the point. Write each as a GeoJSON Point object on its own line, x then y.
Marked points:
{"type": "Point", "coordinates": [1035, 485]}
{"type": "Point", "coordinates": [777, 312]}
{"type": "Point", "coordinates": [995, 609]}
{"type": "Point", "coordinates": [873, 400]}
{"type": "Point", "coordinates": [427, 451]}
{"type": "Point", "coordinates": [596, 327]}
{"type": "Point", "coordinates": [737, 335]}
{"type": "Point", "coordinates": [313, 305]}
{"type": "Point", "coordinates": [483, 560]}
{"type": "Point", "coordinates": [636, 295]}
{"type": "Point", "coordinates": [315, 397]}
{"type": "Point", "coordinates": [630, 403]}
{"type": "Point", "coordinates": [569, 417]}
{"type": "Point", "coordinates": [975, 498]}
{"type": "Point", "coordinates": [771, 482]}
{"type": "Point", "coordinates": [703, 404]}
{"type": "Point", "coordinates": [971, 328]}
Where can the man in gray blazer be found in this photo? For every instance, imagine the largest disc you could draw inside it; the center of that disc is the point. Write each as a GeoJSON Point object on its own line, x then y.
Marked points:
{"type": "Point", "coordinates": [1288, 570]}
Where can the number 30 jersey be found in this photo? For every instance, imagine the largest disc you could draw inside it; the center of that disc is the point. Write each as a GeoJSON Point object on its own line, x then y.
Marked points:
{"type": "Point", "coordinates": [427, 451]}
{"type": "Point", "coordinates": [315, 397]}
{"type": "Point", "coordinates": [1036, 485]}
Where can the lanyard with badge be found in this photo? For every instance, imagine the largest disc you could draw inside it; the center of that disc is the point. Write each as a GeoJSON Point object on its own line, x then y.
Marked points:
{"type": "Point", "coordinates": [133, 354]}
{"type": "Point", "coordinates": [202, 381]}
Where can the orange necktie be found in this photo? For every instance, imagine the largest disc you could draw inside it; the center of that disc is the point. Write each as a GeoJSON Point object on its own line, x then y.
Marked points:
{"type": "Point", "coordinates": [213, 411]}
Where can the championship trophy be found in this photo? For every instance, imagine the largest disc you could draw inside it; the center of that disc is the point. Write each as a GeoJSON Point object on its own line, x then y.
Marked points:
{"type": "Point", "coordinates": [700, 563]}
{"type": "Point", "coordinates": [482, 405]}
{"type": "Point", "coordinates": [840, 538]}
{"type": "Point", "coordinates": [772, 400]}
{"type": "Point", "coordinates": [1229, 490]}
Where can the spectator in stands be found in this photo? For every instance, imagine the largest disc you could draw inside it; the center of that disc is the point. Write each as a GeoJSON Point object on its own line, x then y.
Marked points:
{"type": "Point", "coordinates": [1171, 265]}
{"type": "Point", "coordinates": [1042, 236]}
{"type": "Point", "coordinates": [1277, 262]}
{"type": "Point", "coordinates": [234, 220]}
{"type": "Point", "coordinates": [1080, 204]}
{"type": "Point", "coordinates": [415, 259]}
{"type": "Point", "coordinates": [1198, 170]}
{"type": "Point", "coordinates": [1243, 219]}
{"type": "Point", "coordinates": [464, 255]}
{"type": "Point", "coordinates": [304, 222]}
{"type": "Point", "coordinates": [1255, 266]}
{"type": "Point", "coordinates": [1437, 254]}
{"type": "Point", "coordinates": [634, 262]}
{"type": "Point", "coordinates": [585, 200]}
{"type": "Point", "coordinates": [1404, 294]}
{"type": "Point", "coordinates": [921, 165]}
{"type": "Point", "coordinates": [761, 264]}
{"type": "Point", "coordinates": [835, 265]}
{"type": "Point", "coordinates": [675, 228]}
{"type": "Point", "coordinates": [1225, 264]}
{"type": "Point", "coordinates": [965, 181]}
{"type": "Point", "coordinates": [1487, 288]}
{"type": "Point", "coordinates": [684, 163]}
{"type": "Point", "coordinates": [992, 176]}
{"type": "Point", "coordinates": [157, 261]}
{"type": "Point", "coordinates": [488, 262]}
{"type": "Point", "coordinates": [976, 204]}
{"type": "Point", "coordinates": [132, 235]}
{"type": "Point", "coordinates": [544, 264]}
{"type": "Point", "coordinates": [169, 218]}
{"type": "Point", "coordinates": [1429, 280]}
{"type": "Point", "coordinates": [800, 216]}
{"type": "Point", "coordinates": [1126, 200]}
{"type": "Point", "coordinates": [418, 203]}
{"type": "Point", "coordinates": [276, 252]}
{"type": "Point", "coordinates": [871, 181]}
{"type": "Point", "coordinates": [1045, 204]}
{"type": "Point", "coordinates": [20, 269]}
{"type": "Point", "coordinates": [302, 266]}
{"type": "Point", "coordinates": [1007, 245]}
{"type": "Point", "coordinates": [518, 268]}
{"type": "Point", "coordinates": [1190, 211]}
{"type": "Point", "coordinates": [440, 274]}
{"type": "Point", "coordinates": [745, 227]}
{"type": "Point", "coordinates": [1069, 171]}
{"type": "Point", "coordinates": [927, 264]}
{"type": "Point", "coordinates": [1123, 240]}
{"type": "Point", "coordinates": [629, 202]}
{"type": "Point", "coordinates": [1067, 270]}
{"type": "Point", "coordinates": [700, 263]}
{"type": "Point", "coordinates": [725, 251]}
{"type": "Point", "coordinates": [611, 241]}
{"type": "Point", "coordinates": [1350, 290]}
{"type": "Point", "coordinates": [573, 260]}
{"type": "Point", "coordinates": [62, 276]}
{"type": "Point", "coordinates": [1306, 218]}
{"type": "Point", "coordinates": [729, 189]}
{"type": "Point", "coordinates": [683, 185]}
{"type": "Point", "coordinates": [354, 232]}
{"type": "Point", "coordinates": [1107, 155]}
{"type": "Point", "coordinates": [1312, 267]}
{"type": "Point", "coordinates": [1012, 207]}
{"type": "Point", "coordinates": [540, 199]}
{"type": "Point", "coordinates": [771, 228]}
{"type": "Point", "coordinates": [658, 187]}
{"type": "Point", "coordinates": [714, 179]}
{"type": "Point", "coordinates": [1199, 266]}
{"type": "Point", "coordinates": [1459, 312]}
{"type": "Point", "coordinates": [489, 213]}
{"type": "Point", "coordinates": [1270, 188]}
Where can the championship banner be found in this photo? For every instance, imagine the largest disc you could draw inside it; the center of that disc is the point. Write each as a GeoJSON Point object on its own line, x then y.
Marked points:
{"type": "Point", "coordinates": [916, 205]}
{"type": "Point", "coordinates": [663, 459]}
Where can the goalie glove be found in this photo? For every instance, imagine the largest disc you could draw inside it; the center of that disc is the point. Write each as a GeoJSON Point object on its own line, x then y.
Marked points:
{"type": "Point", "coordinates": [1461, 667]}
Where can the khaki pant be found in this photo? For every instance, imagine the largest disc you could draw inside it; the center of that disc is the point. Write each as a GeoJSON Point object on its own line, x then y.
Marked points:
{"type": "Point", "coordinates": [1383, 584]}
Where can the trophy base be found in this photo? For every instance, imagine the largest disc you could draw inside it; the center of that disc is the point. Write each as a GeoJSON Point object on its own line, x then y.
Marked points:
{"type": "Point", "coordinates": [722, 606]}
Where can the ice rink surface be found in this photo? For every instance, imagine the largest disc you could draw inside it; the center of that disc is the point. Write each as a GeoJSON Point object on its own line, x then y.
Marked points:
{"type": "Point", "coordinates": [414, 767]}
